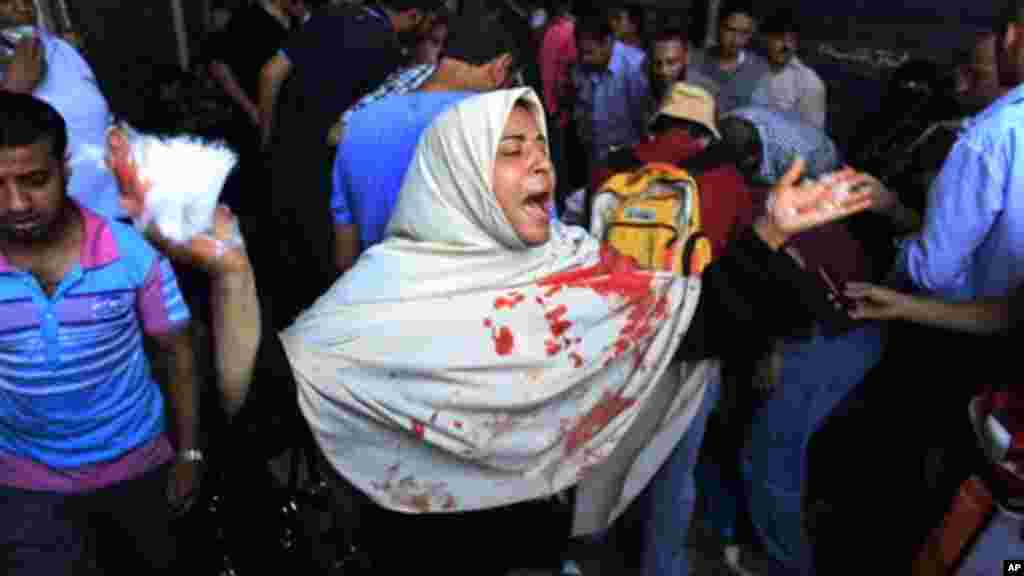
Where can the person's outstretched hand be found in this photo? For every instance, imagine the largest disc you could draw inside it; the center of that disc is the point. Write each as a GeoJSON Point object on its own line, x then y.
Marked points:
{"type": "Point", "coordinates": [878, 303]}
{"type": "Point", "coordinates": [797, 208]}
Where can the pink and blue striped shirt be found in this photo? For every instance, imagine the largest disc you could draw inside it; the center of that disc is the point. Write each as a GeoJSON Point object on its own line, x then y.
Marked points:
{"type": "Point", "coordinates": [79, 408]}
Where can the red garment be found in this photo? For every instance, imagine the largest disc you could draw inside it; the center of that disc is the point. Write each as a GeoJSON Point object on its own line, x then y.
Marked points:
{"type": "Point", "coordinates": [556, 57]}
{"type": "Point", "coordinates": [725, 201]}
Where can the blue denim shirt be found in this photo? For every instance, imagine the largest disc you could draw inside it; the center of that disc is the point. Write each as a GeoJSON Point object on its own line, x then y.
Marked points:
{"type": "Point", "coordinates": [972, 242]}
{"type": "Point", "coordinates": [612, 104]}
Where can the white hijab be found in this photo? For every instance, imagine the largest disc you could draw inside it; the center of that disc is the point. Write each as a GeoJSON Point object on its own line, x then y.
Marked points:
{"type": "Point", "coordinates": [454, 368]}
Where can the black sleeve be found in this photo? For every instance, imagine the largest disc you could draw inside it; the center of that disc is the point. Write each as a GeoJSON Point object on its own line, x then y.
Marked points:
{"type": "Point", "coordinates": [752, 296]}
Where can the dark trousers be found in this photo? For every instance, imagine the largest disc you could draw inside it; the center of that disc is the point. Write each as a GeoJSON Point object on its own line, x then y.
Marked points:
{"type": "Point", "coordinates": [892, 455]}
{"type": "Point", "coordinates": [124, 528]}
{"type": "Point", "coordinates": [532, 535]}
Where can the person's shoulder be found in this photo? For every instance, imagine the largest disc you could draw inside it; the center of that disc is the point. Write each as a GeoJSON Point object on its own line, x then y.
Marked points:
{"type": "Point", "coordinates": [130, 242]}
{"type": "Point", "coordinates": [755, 64]}
{"type": "Point", "coordinates": [999, 124]}
{"type": "Point", "coordinates": [809, 75]}
{"type": "Point", "coordinates": [633, 54]}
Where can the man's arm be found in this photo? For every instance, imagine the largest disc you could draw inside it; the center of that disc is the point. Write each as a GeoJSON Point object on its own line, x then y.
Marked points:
{"type": "Point", "coordinates": [273, 74]}
{"type": "Point", "coordinates": [235, 307]}
{"type": "Point", "coordinates": [346, 232]}
{"type": "Point", "coordinates": [346, 246]}
{"type": "Point", "coordinates": [237, 330]}
{"type": "Point", "coordinates": [183, 385]}
{"type": "Point", "coordinates": [222, 73]}
{"type": "Point", "coordinates": [986, 316]}
{"type": "Point", "coordinates": [964, 201]}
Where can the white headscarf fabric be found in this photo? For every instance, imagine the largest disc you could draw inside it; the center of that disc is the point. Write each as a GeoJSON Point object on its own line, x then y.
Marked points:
{"type": "Point", "coordinates": [454, 368]}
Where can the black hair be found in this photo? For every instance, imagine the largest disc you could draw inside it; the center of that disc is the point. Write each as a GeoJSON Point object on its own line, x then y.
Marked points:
{"type": "Point", "coordinates": [741, 141]}
{"type": "Point", "coordinates": [1011, 13]}
{"type": "Point", "coordinates": [671, 31]}
{"type": "Point", "coordinates": [635, 13]}
{"type": "Point", "coordinates": [479, 41]}
{"type": "Point", "coordinates": [731, 7]}
{"type": "Point", "coordinates": [594, 25]}
{"type": "Point", "coordinates": [26, 120]}
{"type": "Point", "coordinates": [782, 21]}
{"type": "Point", "coordinates": [400, 5]}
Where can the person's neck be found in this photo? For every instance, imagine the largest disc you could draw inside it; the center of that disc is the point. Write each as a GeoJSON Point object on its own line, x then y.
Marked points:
{"type": "Point", "coordinates": [728, 62]}
{"type": "Point", "coordinates": [444, 79]}
{"type": "Point", "coordinates": [64, 241]}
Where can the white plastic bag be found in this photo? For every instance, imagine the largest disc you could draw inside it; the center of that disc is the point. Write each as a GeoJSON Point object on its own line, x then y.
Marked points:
{"type": "Point", "coordinates": [185, 175]}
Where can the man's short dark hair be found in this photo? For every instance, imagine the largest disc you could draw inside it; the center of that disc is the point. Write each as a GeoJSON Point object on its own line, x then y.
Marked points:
{"type": "Point", "coordinates": [593, 25]}
{"type": "Point", "coordinates": [669, 33]}
{"type": "Point", "coordinates": [742, 141]}
{"type": "Point", "coordinates": [26, 120]}
{"type": "Point", "coordinates": [635, 13]}
{"type": "Point", "coordinates": [400, 5]}
{"type": "Point", "coordinates": [1011, 13]}
{"type": "Point", "coordinates": [481, 40]}
{"type": "Point", "coordinates": [782, 21]}
{"type": "Point", "coordinates": [731, 7]}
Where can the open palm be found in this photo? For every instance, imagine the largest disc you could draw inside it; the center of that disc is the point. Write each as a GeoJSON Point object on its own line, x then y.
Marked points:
{"type": "Point", "coordinates": [800, 207]}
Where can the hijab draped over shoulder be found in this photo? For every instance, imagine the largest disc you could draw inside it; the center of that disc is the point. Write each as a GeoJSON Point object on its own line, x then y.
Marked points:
{"type": "Point", "coordinates": [455, 368]}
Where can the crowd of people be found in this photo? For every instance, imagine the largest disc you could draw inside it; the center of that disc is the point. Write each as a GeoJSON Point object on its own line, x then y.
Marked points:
{"type": "Point", "coordinates": [408, 279]}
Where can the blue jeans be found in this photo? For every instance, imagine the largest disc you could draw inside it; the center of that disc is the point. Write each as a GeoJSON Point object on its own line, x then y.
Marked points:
{"type": "Point", "coordinates": [816, 375]}
{"type": "Point", "coordinates": [668, 501]}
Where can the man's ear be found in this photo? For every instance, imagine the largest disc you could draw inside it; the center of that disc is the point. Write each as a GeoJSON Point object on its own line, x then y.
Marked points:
{"type": "Point", "coordinates": [118, 147]}
{"type": "Point", "coordinates": [498, 70]}
{"type": "Point", "coordinates": [1012, 35]}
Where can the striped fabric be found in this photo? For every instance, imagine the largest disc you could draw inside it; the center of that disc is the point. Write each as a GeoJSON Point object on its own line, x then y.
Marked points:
{"type": "Point", "coordinates": [75, 384]}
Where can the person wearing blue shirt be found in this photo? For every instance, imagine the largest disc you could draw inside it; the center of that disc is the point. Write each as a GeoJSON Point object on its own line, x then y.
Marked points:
{"type": "Point", "coordinates": [379, 139]}
{"type": "Point", "coordinates": [972, 242]}
{"type": "Point", "coordinates": [612, 92]}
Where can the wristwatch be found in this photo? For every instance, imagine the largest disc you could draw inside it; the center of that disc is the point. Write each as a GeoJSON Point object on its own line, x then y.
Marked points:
{"type": "Point", "coordinates": [190, 455]}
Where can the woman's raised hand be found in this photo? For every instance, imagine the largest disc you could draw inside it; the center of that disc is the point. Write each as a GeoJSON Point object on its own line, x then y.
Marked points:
{"type": "Point", "coordinates": [795, 208]}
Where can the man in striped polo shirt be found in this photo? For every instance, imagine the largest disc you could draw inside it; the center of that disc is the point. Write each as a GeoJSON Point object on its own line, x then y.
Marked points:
{"type": "Point", "coordinates": [85, 455]}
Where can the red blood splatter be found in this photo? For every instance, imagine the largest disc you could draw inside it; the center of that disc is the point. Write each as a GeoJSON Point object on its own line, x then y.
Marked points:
{"type": "Point", "coordinates": [418, 429]}
{"type": "Point", "coordinates": [458, 424]}
{"type": "Point", "coordinates": [661, 308]}
{"type": "Point", "coordinates": [558, 325]}
{"type": "Point", "coordinates": [614, 274]}
{"type": "Point", "coordinates": [504, 342]}
{"type": "Point", "coordinates": [594, 421]}
{"type": "Point", "coordinates": [513, 299]}
{"type": "Point", "coordinates": [553, 347]}
{"type": "Point", "coordinates": [553, 290]}
{"type": "Point", "coordinates": [577, 360]}
{"type": "Point", "coordinates": [540, 300]}
{"type": "Point", "coordinates": [556, 313]}
{"type": "Point", "coordinates": [488, 323]}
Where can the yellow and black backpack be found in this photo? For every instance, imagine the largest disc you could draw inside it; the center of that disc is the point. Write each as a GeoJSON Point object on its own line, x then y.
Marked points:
{"type": "Point", "coordinates": [653, 214]}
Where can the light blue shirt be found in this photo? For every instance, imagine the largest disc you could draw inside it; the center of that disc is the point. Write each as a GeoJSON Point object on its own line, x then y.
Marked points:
{"type": "Point", "coordinates": [612, 104]}
{"type": "Point", "coordinates": [972, 242]}
{"type": "Point", "coordinates": [784, 136]}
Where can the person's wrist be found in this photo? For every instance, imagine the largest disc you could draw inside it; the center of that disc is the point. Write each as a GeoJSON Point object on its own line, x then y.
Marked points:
{"type": "Point", "coordinates": [190, 455]}
{"type": "Point", "coordinates": [769, 233]}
